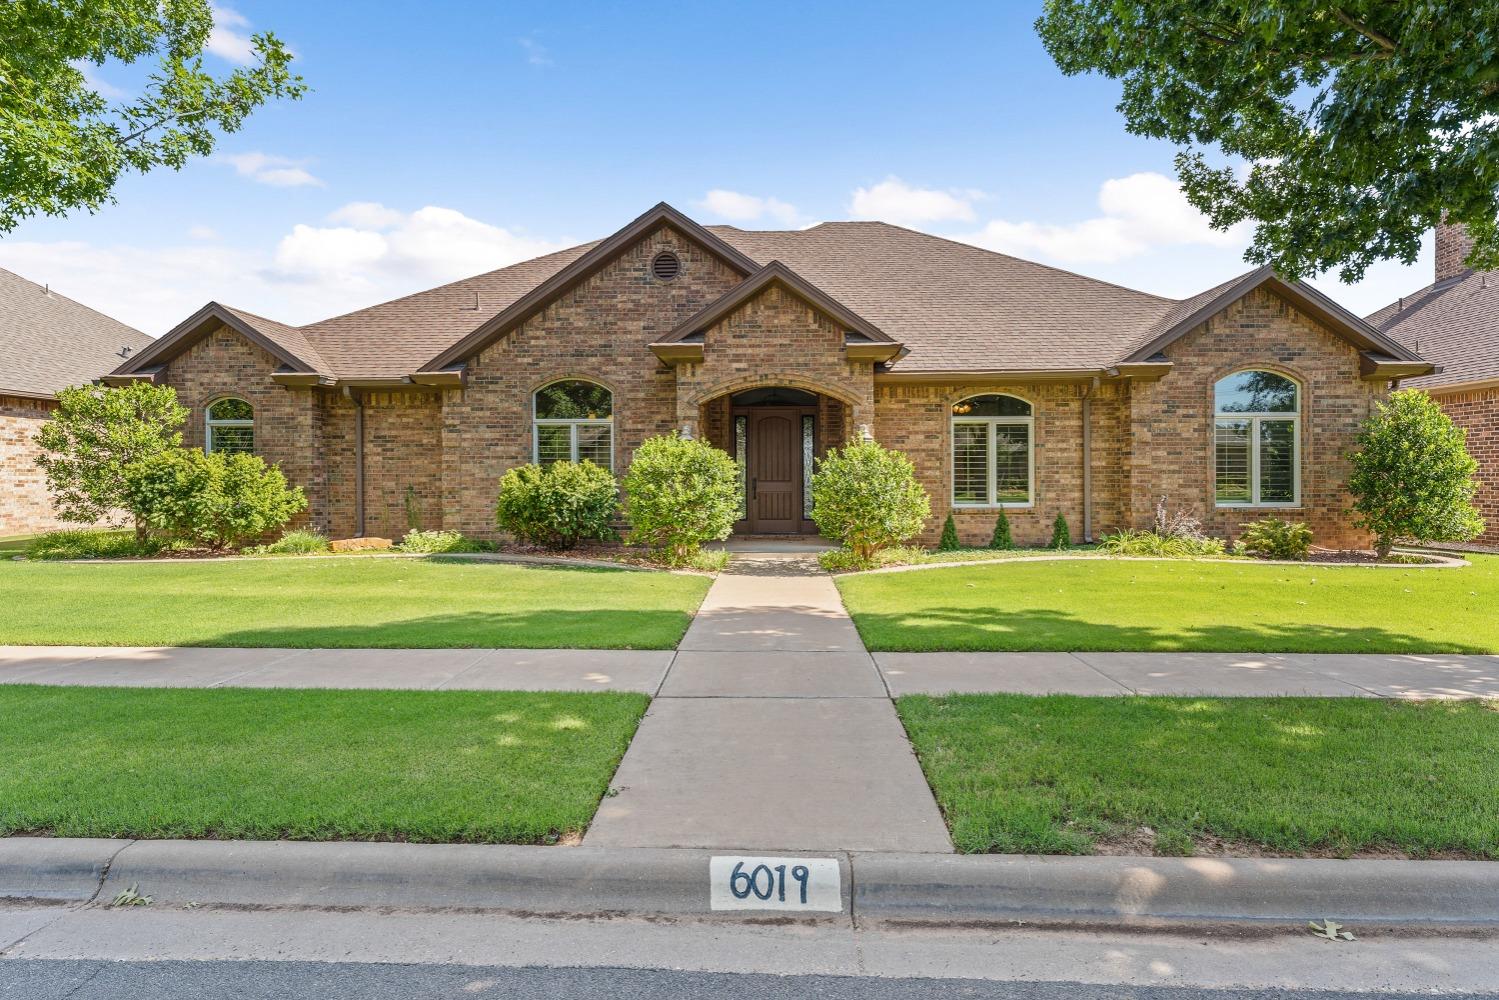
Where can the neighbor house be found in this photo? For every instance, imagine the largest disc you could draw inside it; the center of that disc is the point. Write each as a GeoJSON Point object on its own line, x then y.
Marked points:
{"type": "Point", "coordinates": [1012, 386]}
{"type": "Point", "coordinates": [1454, 322]}
{"type": "Point", "coordinates": [47, 342]}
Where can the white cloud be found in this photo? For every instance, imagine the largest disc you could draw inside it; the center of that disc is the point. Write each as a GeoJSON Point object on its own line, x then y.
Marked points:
{"type": "Point", "coordinates": [737, 207]}
{"type": "Point", "coordinates": [102, 86]}
{"type": "Point", "coordinates": [893, 200]}
{"type": "Point", "coordinates": [366, 215]}
{"type": "Point", "coordinates": [536, 53]}
{"type": "Point", "coordinates": [313, 272]}
{"type": "Point", "coordinates": [277, 171]}
{"type": "Point", "coordinates": [229, 39]}
{"type": "Point", "coordinates": [1140, 213]}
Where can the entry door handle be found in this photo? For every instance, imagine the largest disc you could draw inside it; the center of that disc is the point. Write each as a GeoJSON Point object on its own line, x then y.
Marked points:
{"type": "Point", "coordinates": [754, 489]}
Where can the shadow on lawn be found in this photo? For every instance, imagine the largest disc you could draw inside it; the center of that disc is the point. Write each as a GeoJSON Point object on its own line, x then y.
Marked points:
{"type": "Point", "coordinates": [1039, 630]}
{"type": "Point", "coordinates": [563, 629]}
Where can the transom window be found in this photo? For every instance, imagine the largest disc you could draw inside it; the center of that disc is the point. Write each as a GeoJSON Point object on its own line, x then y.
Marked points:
{"type": "Point", "coordinates": [993, 454]}
{"type": "Point", "coordinates": [1257, 440]}
{"type": "Point", "coordinates": [573, 421]}
{"type": "Point", "coordinates": [231, 426]}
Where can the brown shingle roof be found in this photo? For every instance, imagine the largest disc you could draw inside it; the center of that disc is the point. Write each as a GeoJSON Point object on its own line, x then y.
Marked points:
{"type": "Point", "coordinates": [49, 342]}
{"type": "Point", "coordinates": [1454, 324]}
{"type": "Point", "coordinates": [953, 306]}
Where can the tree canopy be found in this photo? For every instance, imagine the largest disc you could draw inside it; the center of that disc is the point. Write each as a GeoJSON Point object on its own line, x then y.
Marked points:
{"type": "Point", "coordinates": [64, 144]}
{"type": "Point", "coordinates": [1343, 131]}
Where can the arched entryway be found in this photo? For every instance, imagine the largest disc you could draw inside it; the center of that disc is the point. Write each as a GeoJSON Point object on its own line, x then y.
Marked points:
{"type": "Point", "coordinates": [777, 433]}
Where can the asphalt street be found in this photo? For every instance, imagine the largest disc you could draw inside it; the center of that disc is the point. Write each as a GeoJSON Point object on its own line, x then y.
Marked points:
{"type": "Point", "coordinates": [22, 979]}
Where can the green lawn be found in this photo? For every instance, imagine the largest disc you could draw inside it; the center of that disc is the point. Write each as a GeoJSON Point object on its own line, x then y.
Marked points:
{"type": "Point", "coordinates": [1070, 775]}
{"type": "Point", "coordinates": [471, 766]}
{"type": "Point", "coordinates": [358, 602]}
{"type": "Point", "coordinates": [1130, 605]}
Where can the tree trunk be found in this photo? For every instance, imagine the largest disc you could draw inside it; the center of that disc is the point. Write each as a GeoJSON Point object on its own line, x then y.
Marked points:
{"type": "Point", "coordinates": [1382, 546]}
{"type": "Point", "coordinates": [142, 531]}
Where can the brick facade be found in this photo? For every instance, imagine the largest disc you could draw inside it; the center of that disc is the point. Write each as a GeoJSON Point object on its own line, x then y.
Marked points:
{"type": "Point", "coordinates": [25, 507]}
{"type": "Point", "coordinates": [439, 453]}
{"type": "Point", "coordinates": [1478, 411]}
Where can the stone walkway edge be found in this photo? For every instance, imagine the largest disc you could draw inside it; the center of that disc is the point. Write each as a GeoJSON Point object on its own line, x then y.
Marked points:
{"type": "Point", "coordinates": [835, 673]}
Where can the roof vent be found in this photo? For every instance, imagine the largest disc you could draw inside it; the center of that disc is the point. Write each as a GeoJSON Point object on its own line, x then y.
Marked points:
{"type": "Point", "coordinates": [666, 266]}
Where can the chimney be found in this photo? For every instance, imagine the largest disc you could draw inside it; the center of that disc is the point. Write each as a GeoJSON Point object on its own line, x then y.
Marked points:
{"type": "Point", "coordinates": [1453, 244]}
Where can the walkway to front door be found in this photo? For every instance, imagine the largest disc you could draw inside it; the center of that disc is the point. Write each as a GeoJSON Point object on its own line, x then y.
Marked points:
{"type": "Point", "coordinates": [772, 731]}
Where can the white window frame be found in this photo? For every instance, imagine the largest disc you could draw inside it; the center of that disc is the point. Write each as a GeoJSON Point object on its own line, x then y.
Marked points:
{"type": "Point", "coordinates": [989, 423]}
{"type": "Point", "coordinates": [571, 424]}
{"type": "Point", "coordinates": [209, 423]}
{"type": "Point", "coordinates": [1255, 419]}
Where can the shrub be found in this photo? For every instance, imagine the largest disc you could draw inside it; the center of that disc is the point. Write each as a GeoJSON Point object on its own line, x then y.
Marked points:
{"type": "Point", "coordinates": [94, 435]}
{"type": "Point", "coordinates": [91, 545]}
{"type": "Point", "coordinates": [216, 500]}
{"type": "Point", "coordinates": [867, 497]}
{"type": "Point", "coordinates": [1061, 535]}
{"type": "Point", "coordinates": [1152, 543]}
{"type": "Point", "coordinates": [1412, 475]}
{"type": "Point", "coordinates": [556, 506]}
{"type": "Point", "coordinates": [299, 542]}
{"type": "Point", "coordinates": [949, 540]}
{"type": "Point", "coordinates": [1001, 538]}
{"type": "Point", "coordinates": [1272, 538]}
{"type": "Point", "coordinates": [680, 492]}
{"type": "Point", "coordinates": [442, 541]}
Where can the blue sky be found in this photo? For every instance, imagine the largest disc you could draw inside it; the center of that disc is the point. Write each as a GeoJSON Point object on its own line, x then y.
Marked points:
{"type": "Point", "coordinates": [441, 140]}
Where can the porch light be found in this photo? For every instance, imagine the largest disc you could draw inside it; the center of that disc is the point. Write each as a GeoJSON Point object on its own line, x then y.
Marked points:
{"type": "Point", "coordinates": [864, 434]}
{"type": "Point", "coordinates": [687, 431]}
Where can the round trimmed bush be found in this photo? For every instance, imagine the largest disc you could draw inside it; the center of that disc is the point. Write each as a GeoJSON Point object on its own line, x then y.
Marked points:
{"type": "Point", "coordinates": [556, 506]}
{"type": "Point", "coordinates": [679, 493]}
{"type": "Point", "coordinates": [867, 497]}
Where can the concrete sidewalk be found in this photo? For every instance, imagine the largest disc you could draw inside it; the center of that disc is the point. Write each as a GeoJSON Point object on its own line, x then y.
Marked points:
{"type": "Point", "coordinates": [413, 669]}
{"type": "Point", "coordinates": [1350, 675]}
{"type": "Point", "coordinates": [772, 731]}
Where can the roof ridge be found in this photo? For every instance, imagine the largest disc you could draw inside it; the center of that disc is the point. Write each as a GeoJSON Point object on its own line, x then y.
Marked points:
{"type": "Point", "coordinates": [47, 289]}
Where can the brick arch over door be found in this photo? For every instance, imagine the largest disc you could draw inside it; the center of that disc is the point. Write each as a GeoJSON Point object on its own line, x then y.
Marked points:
{"type": "Point", "coordinates": [689, 407]}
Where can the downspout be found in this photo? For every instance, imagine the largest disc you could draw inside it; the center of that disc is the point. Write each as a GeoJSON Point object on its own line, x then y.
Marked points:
{"type": "Point", "coordinates": [1088, 460]}
{"type": "Point", "coordinates": [358, 402]}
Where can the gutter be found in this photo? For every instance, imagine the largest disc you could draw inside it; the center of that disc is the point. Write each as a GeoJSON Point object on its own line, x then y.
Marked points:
{"type": "Point", "coordinates": [358, 402]}
{"type": "Point", "coordinates": [1088, 460]}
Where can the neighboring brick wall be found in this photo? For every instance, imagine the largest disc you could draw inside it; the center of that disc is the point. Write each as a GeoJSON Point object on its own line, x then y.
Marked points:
{"type": "Point", "coordinates": [1478, 411]}
{"type": "Point", "coordinates": [402, 449]}
{"type": "Point", "coordinates": [1172, 420]}
{"type": "Point", "coordinates": [25, 506]}
{"type": "Point", "coordinates": [917, 419]}
{"type": "Point", "coordinates": [599, 331]}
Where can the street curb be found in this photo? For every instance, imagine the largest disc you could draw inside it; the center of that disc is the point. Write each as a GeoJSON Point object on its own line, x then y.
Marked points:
{"type": "Point", "coordinates": [1007, 888]}
{"type": "Point", "coordinates": [936, 889]}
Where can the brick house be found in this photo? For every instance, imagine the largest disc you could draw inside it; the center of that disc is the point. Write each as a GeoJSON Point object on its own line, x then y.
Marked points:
{"type": "Point", "coordinates": [1011, 385]}
{"type": "Point", "coordinates": [47, 342]}
{"type": "Point", "coordinates": [1454, 322]}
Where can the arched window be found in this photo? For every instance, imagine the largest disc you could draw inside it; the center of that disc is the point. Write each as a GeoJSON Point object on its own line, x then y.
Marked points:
{"type": "Point", "coordinates": [573, 420]}
{"type": "Point", "coordinates": [1257, 440]}
{"type": "Point", "coordinates": [231, 426]}
{"type": "Point", "coordinates": [993, 458]}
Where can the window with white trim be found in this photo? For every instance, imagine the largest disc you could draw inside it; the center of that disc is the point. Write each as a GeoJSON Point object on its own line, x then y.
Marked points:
{"type": "Point", "coordinates": [573, 421]}
{"type": "Point", "coordinates": [1256, 440]}
{"type": "Point", "coordinates": [993, 452]}
{"type": "Point", "coordinates": [230, 426]}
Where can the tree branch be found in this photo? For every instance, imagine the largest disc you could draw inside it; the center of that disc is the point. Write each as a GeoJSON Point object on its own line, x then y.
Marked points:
{"type": "Point", "coordinates": [1377, 37]}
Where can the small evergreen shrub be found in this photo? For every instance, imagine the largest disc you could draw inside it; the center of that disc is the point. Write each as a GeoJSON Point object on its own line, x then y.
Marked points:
{"type": "Point", "coordinates": [949, 540]}
{"type": "Point", "coordinates": [867, 497]}
{"type": "Point", "coordinates": [216, 500]}
{"type": "Point", "coordinates": [442, 541]}
{"type": "Point", "coordinates": [556, 506]}
{"type": "Point", "coordinates": [299, 542]}
{"type": "Point", "coordinates": [1001, 538]}
{"type": "Point", "coordinates": [85, 544]}
{"type": "Point", "coordinates": [1412, 475]}
{"type": "Point", "coordinates": [1272, 538]}
{"type": "Point", "coordinates": [1061, 535]}
{"type": "Point", "coordinates": [679, 493]}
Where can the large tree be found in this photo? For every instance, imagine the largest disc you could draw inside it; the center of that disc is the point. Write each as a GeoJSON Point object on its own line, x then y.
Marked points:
{"type": "Point", "coordinates": [63, 144]}
{"type": "Point", "coordinates": [1344, 131]}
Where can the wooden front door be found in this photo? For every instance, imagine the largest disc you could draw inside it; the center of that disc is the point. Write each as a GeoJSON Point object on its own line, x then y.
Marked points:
{"type": "Point", "coordinates": [775, 471]}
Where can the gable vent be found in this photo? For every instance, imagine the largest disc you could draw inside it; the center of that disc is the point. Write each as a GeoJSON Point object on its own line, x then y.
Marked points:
{"type": "Point", "coordinates": [666, 265]}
